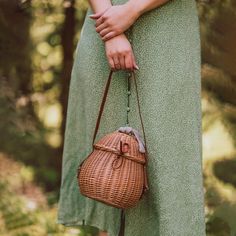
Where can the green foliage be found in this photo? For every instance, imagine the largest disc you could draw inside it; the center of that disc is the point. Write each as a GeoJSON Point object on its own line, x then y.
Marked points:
{"type": "Point", "coordinates": [220, 197]}
{"type": "Point", "coordinates": [23, 137]}
{"type": "Point", "coordinates": [27, 212]}
{"type": "Point", "coordinates": [30, 86]}
{"type": "Point", "coordinates": [225, 170]}
{"type": "Point", "coordinates": [218, 33]}
{"type": "Point", "coordinates": [217, 227]}
{"type": "Point", "coordinates": [30, 83]}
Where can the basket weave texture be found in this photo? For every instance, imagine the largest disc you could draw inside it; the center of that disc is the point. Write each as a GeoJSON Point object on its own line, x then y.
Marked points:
{"type": "Point", "coordinates": [113, 173]}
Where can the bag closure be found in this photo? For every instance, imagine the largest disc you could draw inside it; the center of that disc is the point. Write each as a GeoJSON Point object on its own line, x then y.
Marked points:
{"type": "Point", "coordinates": [119, 153]}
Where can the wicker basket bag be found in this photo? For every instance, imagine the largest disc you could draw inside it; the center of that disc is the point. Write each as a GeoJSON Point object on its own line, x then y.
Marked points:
{"type": "Point", "coordinates": [115, 171]}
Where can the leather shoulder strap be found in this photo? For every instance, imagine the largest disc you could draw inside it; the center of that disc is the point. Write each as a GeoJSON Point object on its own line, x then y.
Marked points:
{"type": "Point", "coordinates": [103, 104]}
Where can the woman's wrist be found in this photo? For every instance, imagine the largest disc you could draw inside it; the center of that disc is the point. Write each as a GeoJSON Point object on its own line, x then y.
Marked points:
{"type": "Point", "coordinates": [133, 9]}
{"type": "Point", "coordinates": [139, 7]}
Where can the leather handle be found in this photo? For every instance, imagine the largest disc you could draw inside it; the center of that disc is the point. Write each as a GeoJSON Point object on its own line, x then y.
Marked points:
{"type": "Point", "coordinates": [103, 104]}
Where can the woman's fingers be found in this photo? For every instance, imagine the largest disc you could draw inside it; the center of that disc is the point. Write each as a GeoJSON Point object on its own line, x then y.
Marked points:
{"type": "Point", "coordinates": [99, 21]}
{"type": "Point", "coordinates": [116, 62]}
{"type": "Point", "coordinates": [122, 62]}
{"type": "Point", "coordinates": [134, 61]}
{"type": "Point", "coordinates": [129, 65]}
{"type": "Point", "coordinates": [108, 36]}
{"type": "Point", "coordinates": [111, 63]}
{"type": "Point", "coordinates": [96, 15]}
{"type": "Point", "coordinates": [104, 32]}
{"type": "Point", "coordinates": [101, 27]}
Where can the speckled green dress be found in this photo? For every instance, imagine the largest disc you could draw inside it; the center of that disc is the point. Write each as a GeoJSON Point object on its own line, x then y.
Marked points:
{"type": "Point", "coordinates": [166, 45]}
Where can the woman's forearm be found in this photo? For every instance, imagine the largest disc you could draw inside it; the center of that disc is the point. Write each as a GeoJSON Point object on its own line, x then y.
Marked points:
{"type": "Point", "coordinates": [99, 6]}
{"type": "Point", "coordinates": [114, 20]}
{"type": "Point", "coordinates": [142, 6]}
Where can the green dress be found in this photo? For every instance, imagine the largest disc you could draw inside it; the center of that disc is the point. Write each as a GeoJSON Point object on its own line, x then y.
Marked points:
{"type": "Point", "coordinates": [166, 44]}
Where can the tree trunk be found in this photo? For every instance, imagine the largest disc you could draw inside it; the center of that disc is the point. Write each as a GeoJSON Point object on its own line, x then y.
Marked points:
{"type": "Point", "coordinates": [67, 36]}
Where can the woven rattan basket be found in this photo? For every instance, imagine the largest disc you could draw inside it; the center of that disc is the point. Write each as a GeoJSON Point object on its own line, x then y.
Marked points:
{"type": "Point", "coordinates": [115, 171]}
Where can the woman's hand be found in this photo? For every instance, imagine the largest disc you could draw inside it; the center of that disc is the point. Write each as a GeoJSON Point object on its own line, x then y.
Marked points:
{"type": "Point", "coordinates": [120, 54]}
{"type": "Point", "coordinates": [115, 20]}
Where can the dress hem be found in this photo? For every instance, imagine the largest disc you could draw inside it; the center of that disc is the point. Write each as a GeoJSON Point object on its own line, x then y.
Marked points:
{"type": "Point", "coordinates": [72, 223]}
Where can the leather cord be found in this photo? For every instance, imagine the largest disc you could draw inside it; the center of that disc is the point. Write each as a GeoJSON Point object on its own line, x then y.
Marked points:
{"type": "Point", "coordinates": [122, 223]}
{"type": "Point", "coordinates": [103, 104]}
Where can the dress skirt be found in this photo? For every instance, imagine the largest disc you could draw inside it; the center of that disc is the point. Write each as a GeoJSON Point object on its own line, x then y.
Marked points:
{"type": "Point", "coordinates": [166, 45]}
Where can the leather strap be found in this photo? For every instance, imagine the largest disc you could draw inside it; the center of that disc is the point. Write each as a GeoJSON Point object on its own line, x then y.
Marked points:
{"type": "Point", "coordinates": [122, 223]}
{"type": "Point", "coordinates": [103, 104]}
{"type": "Point", "coordinates": [122, 213]}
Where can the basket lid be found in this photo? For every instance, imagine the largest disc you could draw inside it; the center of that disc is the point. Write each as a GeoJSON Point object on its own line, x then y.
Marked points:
{"type": "Point", "coordinates": [123, 144]}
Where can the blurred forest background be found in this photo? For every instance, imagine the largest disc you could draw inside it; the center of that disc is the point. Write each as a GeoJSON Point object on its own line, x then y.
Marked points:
{"type": "Point", "coordinates": [37, 43]}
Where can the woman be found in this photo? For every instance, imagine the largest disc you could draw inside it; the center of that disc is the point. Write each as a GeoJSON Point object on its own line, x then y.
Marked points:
{"type": "Point", "coordinates": [160, 41]}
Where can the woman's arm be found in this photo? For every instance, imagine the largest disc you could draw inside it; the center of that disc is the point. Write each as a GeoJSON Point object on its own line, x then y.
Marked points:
{"type": "Point", "coordinates": [118, 18]}
{"type": "Point", "coordinates": [118, 50]}
{"type": "Point", "coordinates": [142, 6]}
{"type": "Point", "coordinates": [100, 6]}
